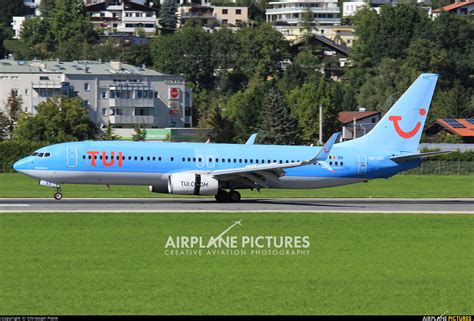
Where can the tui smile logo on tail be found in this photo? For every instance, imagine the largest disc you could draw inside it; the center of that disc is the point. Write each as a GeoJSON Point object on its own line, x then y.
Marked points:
{"type": "Point", "coordinates": [400, 131]}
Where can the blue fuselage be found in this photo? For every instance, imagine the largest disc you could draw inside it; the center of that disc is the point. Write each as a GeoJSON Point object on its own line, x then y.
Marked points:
{"type": "Point", "coordinates": [147, 163]}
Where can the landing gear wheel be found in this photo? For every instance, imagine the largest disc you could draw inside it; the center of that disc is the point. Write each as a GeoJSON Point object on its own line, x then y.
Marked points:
{"type": "Point", "coordinates": [222, 196]}
{"type": "Point", "coordinates": [234, 196]}
{"type": "Point", "coordinates": [58, 196]}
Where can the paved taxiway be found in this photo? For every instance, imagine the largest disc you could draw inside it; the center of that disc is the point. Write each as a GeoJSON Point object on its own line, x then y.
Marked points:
{"type": "Point", "coordinates": [322, 205]}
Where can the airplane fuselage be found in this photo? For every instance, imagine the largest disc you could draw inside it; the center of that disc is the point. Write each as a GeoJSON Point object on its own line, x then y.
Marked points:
{"type": "Point", "coordinates": [150, 163]}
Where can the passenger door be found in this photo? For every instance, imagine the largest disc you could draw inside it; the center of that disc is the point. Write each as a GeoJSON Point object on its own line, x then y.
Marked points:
{"type": "Point", "coordinates": [71, 156]}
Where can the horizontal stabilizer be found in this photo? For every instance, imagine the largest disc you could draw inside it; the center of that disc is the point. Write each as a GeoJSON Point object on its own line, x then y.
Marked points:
{"type": "Point", "coordinates": [409, 157]}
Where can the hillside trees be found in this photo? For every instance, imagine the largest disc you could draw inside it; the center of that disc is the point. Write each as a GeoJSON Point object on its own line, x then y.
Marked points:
{"type": "Point", "coordinates": [63, 32]}
{"type": "Point", "coordinates": [395, 47]}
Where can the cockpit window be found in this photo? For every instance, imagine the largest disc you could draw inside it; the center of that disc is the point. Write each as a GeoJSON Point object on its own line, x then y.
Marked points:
{"type": "Point", "coordinates": [40, 154]}
{"type": "Point", "coordinates": [34, 154]}
{"type": "Point", "coordinates": [47, 154]}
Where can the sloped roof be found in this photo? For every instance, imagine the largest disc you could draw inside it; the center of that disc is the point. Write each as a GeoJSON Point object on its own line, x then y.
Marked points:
{"type": "Point", "coordinates": [128, 6]}
{"type": "Point", "coordinates": [453, 6]}
{"type": "Point", "coordinates": [345, 117]}
{"type": "Point", "coordinates": [463, 127]}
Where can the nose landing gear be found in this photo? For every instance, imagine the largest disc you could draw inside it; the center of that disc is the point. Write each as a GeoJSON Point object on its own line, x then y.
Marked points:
{"type": "Point", "coordinates": [58, 195]}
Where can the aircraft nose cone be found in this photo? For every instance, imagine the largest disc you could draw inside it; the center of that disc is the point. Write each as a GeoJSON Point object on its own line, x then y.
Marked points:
{"type": "Point", "coordinates": [21, 165]}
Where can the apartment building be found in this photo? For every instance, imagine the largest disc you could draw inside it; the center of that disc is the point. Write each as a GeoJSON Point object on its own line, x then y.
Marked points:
{"type": "Point", "coordinates": [114, 92]}
{"type": "Point", "coordinates": [294, 12]}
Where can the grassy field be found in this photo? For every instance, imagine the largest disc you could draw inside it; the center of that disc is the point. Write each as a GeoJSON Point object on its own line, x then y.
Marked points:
{"type": "Point", "coordinates": [17, 185]}
{"type": "Point", "coordinates": [115, 264]}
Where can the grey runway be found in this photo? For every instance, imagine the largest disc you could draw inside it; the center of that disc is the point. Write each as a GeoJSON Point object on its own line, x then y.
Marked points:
{"type": "Point", "coordinates": [186, 205]}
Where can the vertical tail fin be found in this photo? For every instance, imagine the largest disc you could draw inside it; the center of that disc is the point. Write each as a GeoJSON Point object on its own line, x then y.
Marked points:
{"type": "Point", "coordinates": [401, 127]}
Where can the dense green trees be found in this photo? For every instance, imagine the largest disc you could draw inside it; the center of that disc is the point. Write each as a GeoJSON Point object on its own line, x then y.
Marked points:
{"type": "Point", "coordinates": [187, 52]}
{"type": "Point", "coordinates": [5, 34]}
{"type": "Point", "coordinates": [304, 103]}
{"type": "Point", "coordinates": [168, 19]}
{"type": "Point", "coordinates": [3, 126]}
{"type": "Point", "coordinates": [63, 32]}
{"type": "Point", "coordinates": [58, 120]}
{"type": "Point", "coordinates": [396, 46]}
{"type": "Point", "coordinates": [278, 126]}
{"type": "Point", "coordinates": [261, 51]}
{"type": "Point", "coordinates": [10, 8]}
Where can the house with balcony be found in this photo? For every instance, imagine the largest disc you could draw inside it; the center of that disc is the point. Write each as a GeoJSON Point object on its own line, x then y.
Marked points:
{"type": "Point", "coordinates": [204, 15]}
{"type": "Point", "coordinates": [124, 16]}
{"type": "Point", "coordinates": [115, 93]}
{"type": "Point", "coordinates": [296, 12]}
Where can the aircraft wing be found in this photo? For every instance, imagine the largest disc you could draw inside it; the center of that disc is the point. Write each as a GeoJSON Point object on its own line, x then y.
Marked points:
{"type": "Point", "coordinates": [256, 172]}
{"type": "Point", "coordinates": [409, 157]}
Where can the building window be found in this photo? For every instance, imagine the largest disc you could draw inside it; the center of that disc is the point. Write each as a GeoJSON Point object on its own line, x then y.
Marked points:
{"type": "Point", "coordinates": [143, 111]}
{"type": "Point", "coordinates": [103, 94]}
{"type": "Point", "coordinates": [45, 92]}
{"type": "Point", "coordinates": [44, 78]}
{"type": "Point", "coordinates": [224, 11]}
{"type": "Point", "coordinates": [87, 86]}
{"type": "Point", "coordinates": [238, 11]}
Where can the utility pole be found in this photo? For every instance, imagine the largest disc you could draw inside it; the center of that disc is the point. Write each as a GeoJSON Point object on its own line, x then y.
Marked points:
{"type": "Point", "coordinates": [320, 142]}
{"type": "Point", "coordinates": [354, 134]}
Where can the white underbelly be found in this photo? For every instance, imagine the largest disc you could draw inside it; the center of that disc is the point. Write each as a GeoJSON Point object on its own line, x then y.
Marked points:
{"type": "Point", "coordinates": [312, 182]}
{"type": "Point", "coordinates": [102, 178]}
{"type": "Point", "coordinates": [136, 178]}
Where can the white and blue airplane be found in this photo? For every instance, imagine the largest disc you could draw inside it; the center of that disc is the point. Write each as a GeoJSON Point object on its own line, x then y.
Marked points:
{"type": "Point", "coordinates": [221, 169]}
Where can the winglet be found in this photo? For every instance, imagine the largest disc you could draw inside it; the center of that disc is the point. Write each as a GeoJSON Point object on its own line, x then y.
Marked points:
{"type": "Point", "coordinates": [251, 139]}
{"type": "Point", "coordinates": [326, 149]}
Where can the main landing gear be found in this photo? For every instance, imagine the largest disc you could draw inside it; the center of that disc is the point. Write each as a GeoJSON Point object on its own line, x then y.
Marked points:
{"type": "Point", "coordinates": [223, 196]}
{"type": "Point", "coordinates": [58, 195]}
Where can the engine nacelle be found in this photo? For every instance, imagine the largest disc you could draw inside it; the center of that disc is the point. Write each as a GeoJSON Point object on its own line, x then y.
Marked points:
{"type": "Point", "coordinates": [192, 184]}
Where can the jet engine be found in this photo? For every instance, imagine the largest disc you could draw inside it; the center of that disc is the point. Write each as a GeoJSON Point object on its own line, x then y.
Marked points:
{"type": "Point", "coordinates": [192, 184]}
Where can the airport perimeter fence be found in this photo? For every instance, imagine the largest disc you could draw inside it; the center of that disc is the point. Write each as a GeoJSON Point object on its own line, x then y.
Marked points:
{"type": "Point", "coordinates": [443, 167]}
